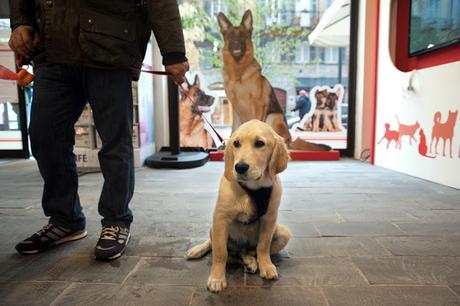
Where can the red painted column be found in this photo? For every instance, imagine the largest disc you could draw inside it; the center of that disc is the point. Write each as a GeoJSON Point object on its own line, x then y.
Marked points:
{"type": "Point", "coordinates": [371, 45]}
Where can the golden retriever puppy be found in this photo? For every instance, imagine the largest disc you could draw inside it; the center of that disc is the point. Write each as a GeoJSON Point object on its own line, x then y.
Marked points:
{"type": "Point", "coordinates": [244, 221]}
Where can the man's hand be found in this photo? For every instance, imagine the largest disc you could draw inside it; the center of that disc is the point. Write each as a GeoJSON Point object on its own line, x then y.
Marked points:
{"type": "Point", "coordinates": [24, 40]}
{"type": "Point", "coordinates": [178, 71]}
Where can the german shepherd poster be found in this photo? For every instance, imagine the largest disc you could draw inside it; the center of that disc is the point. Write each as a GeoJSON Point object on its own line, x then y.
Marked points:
{"type": "Point", "coordinates": [249, 92]}
{"type": "Point", "coordinates": [193, 104]}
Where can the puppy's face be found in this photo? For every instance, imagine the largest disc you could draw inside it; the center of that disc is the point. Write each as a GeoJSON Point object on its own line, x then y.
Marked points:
{"type": "Point", "coordinates": [331, 101]}
{"type": "Point", "coordinates": [254, 153]}
{"type": "Point", "coordinates": [321, 98]}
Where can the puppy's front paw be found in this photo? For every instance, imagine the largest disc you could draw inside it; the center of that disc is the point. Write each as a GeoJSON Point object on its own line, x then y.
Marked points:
{"type": "Point", "coordinates": [216, 284]}
{"type": "Point", "coordinates": [268, 271]}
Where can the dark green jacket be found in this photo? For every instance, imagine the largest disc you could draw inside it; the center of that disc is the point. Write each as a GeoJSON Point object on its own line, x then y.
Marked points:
{"type": "Point", "coordinates": [102, 33]}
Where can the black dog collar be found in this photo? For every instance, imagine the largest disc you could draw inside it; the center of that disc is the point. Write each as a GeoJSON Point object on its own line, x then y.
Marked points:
{"type": "Point", "coordinates": [260, 198]}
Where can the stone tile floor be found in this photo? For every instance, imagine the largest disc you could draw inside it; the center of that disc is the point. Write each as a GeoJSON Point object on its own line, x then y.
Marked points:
{"type": "Point", "coordinates": [362, 235]}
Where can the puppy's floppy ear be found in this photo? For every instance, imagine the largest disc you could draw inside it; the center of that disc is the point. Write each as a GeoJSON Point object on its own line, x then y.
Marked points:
{"type": "Point", "coordinates": [229, 160]}
{"type": "Point", "coordinates": [280, 157]}
{"type": "Point", "coordinates": [224, 23]}
{"type": "Point", "coordinates": [246, 21]}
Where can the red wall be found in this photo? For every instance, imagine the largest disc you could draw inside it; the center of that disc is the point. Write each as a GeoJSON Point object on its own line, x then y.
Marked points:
{"type": "Point", "coordinates": [370, 75]}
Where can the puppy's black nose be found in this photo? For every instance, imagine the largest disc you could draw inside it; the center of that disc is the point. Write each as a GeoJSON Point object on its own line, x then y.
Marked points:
{"type": "Point", "coordinates": [241, 168]}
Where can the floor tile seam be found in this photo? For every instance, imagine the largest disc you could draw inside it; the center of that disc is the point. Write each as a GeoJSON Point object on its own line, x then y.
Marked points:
{"type": "Point", "coordinates": [133, 270]}
{"type": "Point", "coordinates": [323, 294]}
{"type": "Point", "coordinates": [454, 293]}
{"type": "Point", "coordinates": [360, 272]}
{"type": "Point", "coordinates": [383, 247]}
{"type": "Point", "coordinates": [62, 293]}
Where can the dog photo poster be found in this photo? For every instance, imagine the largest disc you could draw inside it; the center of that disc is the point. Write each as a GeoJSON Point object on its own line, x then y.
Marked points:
{"type": "Point", "coordinates": [323, 123]}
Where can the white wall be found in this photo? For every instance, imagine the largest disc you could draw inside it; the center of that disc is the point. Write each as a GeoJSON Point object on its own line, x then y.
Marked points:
{"type": "Point", "coordinates": [436, 90]}
{"type": "Point", "coordinates": [160, 100]}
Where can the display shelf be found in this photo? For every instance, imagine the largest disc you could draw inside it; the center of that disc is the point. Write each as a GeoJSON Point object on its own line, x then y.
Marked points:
{"type": "Point", "coordinates": [295, 155]}
{"type": "Point", "coordinates": [88, 142]}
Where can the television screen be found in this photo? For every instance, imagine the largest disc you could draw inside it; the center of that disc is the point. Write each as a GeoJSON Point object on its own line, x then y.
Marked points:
{"type": "Point", "coordinates": [433, 24]}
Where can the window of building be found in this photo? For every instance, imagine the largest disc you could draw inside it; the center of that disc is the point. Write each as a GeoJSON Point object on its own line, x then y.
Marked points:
{"type": "Point", "coordinates": [314, 8]}
{"type": "Point", "coordinates": [214, 7]}
{"type": "Point", "coordinates": [303, 53]}
{"type": "Point", "coordinates": [331, 55]}
{"type": "Point", "coordinates": [317, 54]}
{"type": "Point", "coordinates": [274, 9]}
{"type": "Point", "coordinates": [273, 52]}
{"type": "Point", "coordinates": [303, 12]}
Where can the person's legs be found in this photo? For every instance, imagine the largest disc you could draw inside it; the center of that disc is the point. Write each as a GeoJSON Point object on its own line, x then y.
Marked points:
{"type": "Point", "coordinates": [57, 103]}
{"type": "Point", "coordinates": [110, 97]}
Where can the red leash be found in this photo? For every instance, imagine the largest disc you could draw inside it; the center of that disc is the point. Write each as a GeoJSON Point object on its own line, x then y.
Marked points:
{"type": "Point", "coordinates": [22, 77]}
{"type": "Point", "coordinates": [148, 69]}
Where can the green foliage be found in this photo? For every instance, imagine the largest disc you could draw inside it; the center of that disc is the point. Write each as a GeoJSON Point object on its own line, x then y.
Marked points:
{"type": "Point", "coordinates": [270, 41]}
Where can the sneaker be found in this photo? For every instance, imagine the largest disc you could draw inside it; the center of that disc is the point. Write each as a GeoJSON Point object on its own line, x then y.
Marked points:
{"type": "Point", "coordinates": [50, 235]}
{"type": "Point", "coordinates": [112, 242]}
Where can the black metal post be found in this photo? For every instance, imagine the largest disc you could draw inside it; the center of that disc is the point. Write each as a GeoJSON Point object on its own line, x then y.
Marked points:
{"type": "Point", "coordinates": [172, 156]}
{"type": "Point", "coordinates": [173, 101]}
{"type": "Point", "coordinates": [340, 65]}
{"type": "Point", "coordinates": [352, 64]}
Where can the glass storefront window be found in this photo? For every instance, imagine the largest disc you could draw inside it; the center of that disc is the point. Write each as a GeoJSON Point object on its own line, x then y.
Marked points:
{"type": "Point", "coordinates": [291, 64]}
{"type": "Point", "coordinates": [10, 126]}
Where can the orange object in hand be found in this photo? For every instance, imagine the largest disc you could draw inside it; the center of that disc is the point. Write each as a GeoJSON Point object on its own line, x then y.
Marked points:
{"type": "Point", "coordinates": [24, 77]}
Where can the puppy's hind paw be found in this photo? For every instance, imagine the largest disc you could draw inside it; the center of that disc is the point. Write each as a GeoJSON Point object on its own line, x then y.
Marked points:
{"type": "Point", "coordinates": [250, 264]}
{"type": "Point", "coordinates": [198, 251]}
{"type": "Point", "coordinates": [216, 284]}
{"type": "Point", "coordinates": [194, 253]}
{"type": "Point", "coordinates": [268, 271]}
{"type": "Point", "coordinates": [252, 268]}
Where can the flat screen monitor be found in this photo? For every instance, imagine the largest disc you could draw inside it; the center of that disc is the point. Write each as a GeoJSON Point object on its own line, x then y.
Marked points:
{"type": "Point", "coordinates": [434, 24]}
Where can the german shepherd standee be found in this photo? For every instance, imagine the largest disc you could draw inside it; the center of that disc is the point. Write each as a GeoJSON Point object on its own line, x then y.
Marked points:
{"type": "Point", "coordinates": [249, 92]}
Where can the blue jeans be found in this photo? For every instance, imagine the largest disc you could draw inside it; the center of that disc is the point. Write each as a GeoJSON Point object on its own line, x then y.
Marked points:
{"type": "Point", "coordinates": [60, 94]}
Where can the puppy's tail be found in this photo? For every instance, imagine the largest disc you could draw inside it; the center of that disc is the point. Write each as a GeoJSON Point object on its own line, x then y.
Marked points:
{"type": "Point", "coordinates": [199, 251]}
{"type": "Point", "coordinates": [300, 144]}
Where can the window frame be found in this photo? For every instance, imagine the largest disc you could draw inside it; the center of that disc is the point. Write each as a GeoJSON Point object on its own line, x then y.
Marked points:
{"type": "Point", "coordinates": [331, 55]}
{"type": "Point", "coordinates": [303, 53]}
